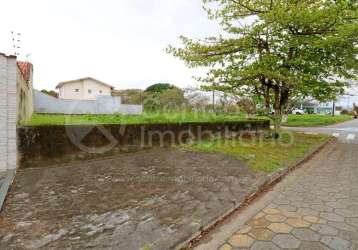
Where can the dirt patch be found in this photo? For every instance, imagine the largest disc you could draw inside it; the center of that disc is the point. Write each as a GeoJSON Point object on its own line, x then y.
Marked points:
{"type": "Point", "coordinates": [156, 198]}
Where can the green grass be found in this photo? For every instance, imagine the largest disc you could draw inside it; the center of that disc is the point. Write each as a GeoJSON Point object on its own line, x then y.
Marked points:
{"type": "Point", "coordinates": [264, 154]}
{"type": "Point", "coordinates": [315, 120]}
{"type": "Point", "coordinates": [146, 118]}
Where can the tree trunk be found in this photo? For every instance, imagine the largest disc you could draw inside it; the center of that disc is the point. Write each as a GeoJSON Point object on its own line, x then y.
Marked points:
{"type": "Point", "coordinates": [278, 114]}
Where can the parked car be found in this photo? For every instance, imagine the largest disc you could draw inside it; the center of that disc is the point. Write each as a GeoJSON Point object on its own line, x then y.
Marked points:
{"type": "Point", "coordinates": [298, 112]}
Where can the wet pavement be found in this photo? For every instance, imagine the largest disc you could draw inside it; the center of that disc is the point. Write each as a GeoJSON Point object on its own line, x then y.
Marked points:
{"type": "Point", "coordinates": [153, 199]}
{"type": "Point", "coordinates": [346, 132]}
{"type": "Point", "coordinates": [315, 207]}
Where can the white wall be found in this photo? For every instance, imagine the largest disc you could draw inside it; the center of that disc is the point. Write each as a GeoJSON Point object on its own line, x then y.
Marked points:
{"type": "Point", "coordinates": [103, 105]}
{"type": "Point", "coordinates": [67, 91]}
{"type": "Point", "coordinates": [96, 88]}
{"type": "Point", "coordinates": [8, 113]}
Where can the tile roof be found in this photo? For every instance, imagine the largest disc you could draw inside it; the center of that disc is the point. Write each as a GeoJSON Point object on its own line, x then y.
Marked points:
{"type": "Point", "coordinates": [25, 69]}
{"type": "Point", "coordinates": [82, 79]}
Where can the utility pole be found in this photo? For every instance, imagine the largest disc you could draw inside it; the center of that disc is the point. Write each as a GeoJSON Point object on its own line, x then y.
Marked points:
{"type": "Point", "coordinates": [333, 108]}
{"type": "Point", "coordinates": [213, 100]}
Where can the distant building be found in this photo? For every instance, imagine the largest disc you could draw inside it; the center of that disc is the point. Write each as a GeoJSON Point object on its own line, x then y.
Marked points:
{"type": "Point", "coordinates": [84, 89]}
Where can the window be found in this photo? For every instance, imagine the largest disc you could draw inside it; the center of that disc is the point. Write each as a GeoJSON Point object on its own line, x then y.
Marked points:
{"type": "Point", "coordinates": [90, 91]}
{"type": "Point", "coordinates": [77, 90]}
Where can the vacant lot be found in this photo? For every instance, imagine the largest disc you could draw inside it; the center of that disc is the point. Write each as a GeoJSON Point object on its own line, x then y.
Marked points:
{"type": "Point", "coordinates": [264, 154]}
{"type": "Point", "coordinates": [315, 120]}
{"type": "Point", "coordinates": [146, 118]}
{"type": "Point", "coordinates": [152, 199]}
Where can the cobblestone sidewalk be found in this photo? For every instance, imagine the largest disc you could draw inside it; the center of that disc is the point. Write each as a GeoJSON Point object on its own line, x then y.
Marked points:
{"type": "Point", "coordinates": [317, 208]}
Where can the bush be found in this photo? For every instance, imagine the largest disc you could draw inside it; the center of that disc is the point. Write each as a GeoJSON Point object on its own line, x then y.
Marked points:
{"type": "Point", "coordinates": [345, 112]}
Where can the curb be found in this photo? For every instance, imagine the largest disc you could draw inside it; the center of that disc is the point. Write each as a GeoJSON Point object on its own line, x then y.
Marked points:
{"type": "Point", "coordinates": [263, 184]}
{"type": "Point", "coordinates": [4, 188]}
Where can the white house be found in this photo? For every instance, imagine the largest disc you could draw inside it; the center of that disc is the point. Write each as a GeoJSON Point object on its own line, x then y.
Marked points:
{"type": "Point", "coordinates": [84, 89]}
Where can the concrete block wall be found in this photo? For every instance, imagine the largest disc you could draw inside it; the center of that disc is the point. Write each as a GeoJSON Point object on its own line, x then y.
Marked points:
{"type": "Point", "coordinates": [8, 113]}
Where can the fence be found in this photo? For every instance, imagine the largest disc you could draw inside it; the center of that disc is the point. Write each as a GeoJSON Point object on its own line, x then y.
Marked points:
{"type": "Point", "coordinates": [103, 105]}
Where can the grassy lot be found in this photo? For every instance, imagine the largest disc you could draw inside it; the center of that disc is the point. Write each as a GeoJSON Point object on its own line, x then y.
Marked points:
{"type": "Point", "coordinates": [44, 119]}
{"type": "Point", "coordinates": [264, 154]}
{"type": "Point", "coordinates": [315, 120]}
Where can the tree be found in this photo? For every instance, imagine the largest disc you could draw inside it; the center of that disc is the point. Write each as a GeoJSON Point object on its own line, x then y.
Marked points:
{"type": "Point", "coordinates": [164, 100]}
{"type": "Point", "coordinates": [50, 92]}
{"type": "Point", "coordinates": [159, 87]}
{"type": "Point", "coordinates": [277, 50]}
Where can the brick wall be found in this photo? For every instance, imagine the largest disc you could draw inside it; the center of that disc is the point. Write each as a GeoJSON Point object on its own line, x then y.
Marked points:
{"type": "Point", "coordinates": [8, 112]}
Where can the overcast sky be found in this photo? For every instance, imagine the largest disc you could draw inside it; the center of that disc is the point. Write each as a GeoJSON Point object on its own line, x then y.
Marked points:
{"type": "Point", "coordinates": [121, 42]}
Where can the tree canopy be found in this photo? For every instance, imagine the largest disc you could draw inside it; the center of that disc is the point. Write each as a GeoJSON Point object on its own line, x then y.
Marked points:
{"type": "Point", "coordinates": [277, 49]}
{"type": "Point", "coordinates": [159, 87]}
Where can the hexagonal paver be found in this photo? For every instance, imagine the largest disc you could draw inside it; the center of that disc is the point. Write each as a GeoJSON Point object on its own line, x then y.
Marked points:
{"type": "Point", "coordinates": [335, 242]}
{"type": "Point", "coordinates": [306, 245]}
{"type": "Point", "coordinates": [261, 222]}
{"type": "Point", "coordinates": [307, 211]}
{"type": "Point", "coordinates": [289, 214]}
{"type": "Point", "coordinates": [311, 219]}
{"type": "Point", "coordinates": [288, 208]}
{"type": "Point", "coordinates": [275, 218]}
{"type": "Point", "coordinates": [332, 217]}
{"type": "Point", "coordinates": [264, 246]}
{"type": "Point", "coordinates": [352, 221]}
{"type": "Point", "coordinates": [271, 211]}
{"type": "Point", "coordinates": [297, 222]}
{"type": "Point", "coordinates": [322, 208]}
{"type": "Point", "coordinates": [324, 229]}
{"type": "Point", "coordinates": [280, 228]}
{"type": "Point", "coordinates": [241, 241]}
{"type": "Point", "coordinates": [225, 247]}
{"type": "Point", "coordinates": [306, 234]}
{"type": "Point", "coordinates": [342, 226]}
{"type": "Point", "coordinates": [259, 215]}
{"type": "Point", "coordinates": [345, 213]}
{"type": "Point", "coordinates": [261, 234]}
{"type": "Point", "coordinates": [244, 230]}
{"type": "Point", "coordinates": [334, 204]}
{"type": "Point", "coordinates": [286, 241]}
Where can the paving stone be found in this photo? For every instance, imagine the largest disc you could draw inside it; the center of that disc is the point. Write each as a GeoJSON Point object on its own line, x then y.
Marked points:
{"type": "Point", "coordinates": [259, 215]}
{"type": "Point", "coordinates": [300, 204]}
{"type": "Point", "coordinates": [335, 242]}
{"type": "Point", "coordinates": [306, 234]}
{"type": "Point", "coordinates": [347, 235]}
{"type": "Point", "coordinates": [271, 211]}
{"type": "Point", "coordinates": [336, 205]}
{"type": "Point", "coordinates": [275, 218]}
{"type": "Point", "coordinates": [311, 219]}
{"type": "Point", "coordinates": [352, 221]}
{"type": "Point", "coordinates": [286, 241]}
{"type": "Point", "coordinates": [291, 214]}
{"type": "Point", "coordinates": [297, 222]}
{"type": "Point", "coordinates": [259, 245]}
{"type": "Point", "coordinates": [312, 246]}
{"type": "Point", "coordinates": [345, 213]}
{"type": "Point", "coordinates": [287, 208]}
{"type": "Point", "coordinates": [261, 222]}
{"type": "Point", "coordinates": [244, 230]}
{"type": "Point", "coordinates": [261, 234]}
{"type": "Point", "coordinates": [280, 228]}
{"type": "Point", "coordinates": [324, 229]}
{"type": "Point", "coordinates": [241, 240]}
{"type": "Point", "coordinates": [332, 217]}
{"type": "Point", "coordinates": [225, 247]}
{"type": "Point", "coordinates": [307, 211]}
{"type": "Point", "coordinates": [342, 226]}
